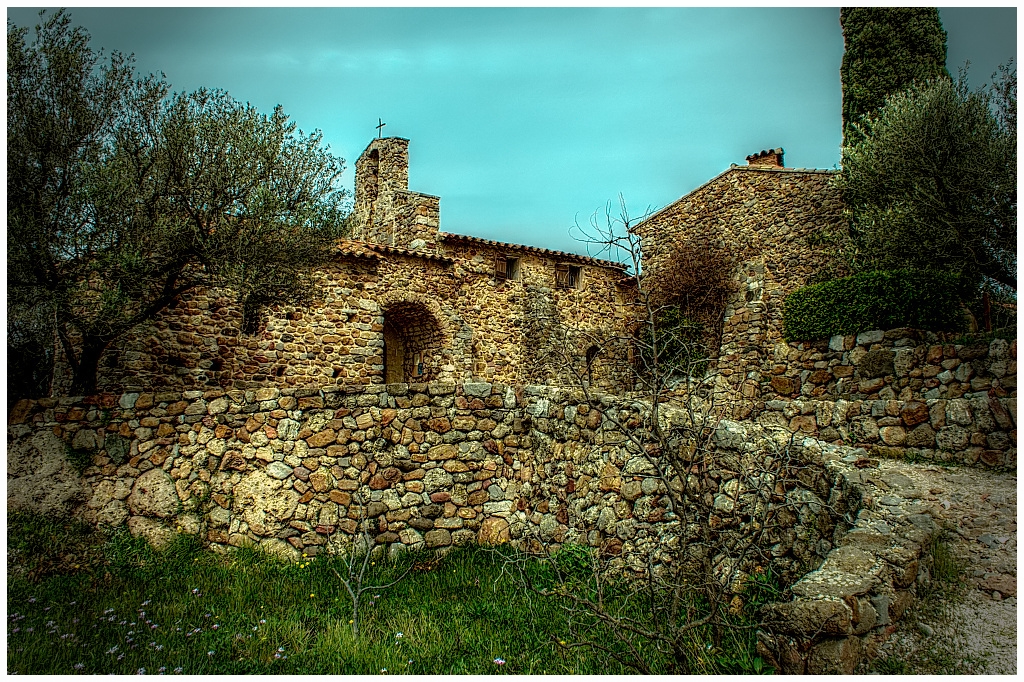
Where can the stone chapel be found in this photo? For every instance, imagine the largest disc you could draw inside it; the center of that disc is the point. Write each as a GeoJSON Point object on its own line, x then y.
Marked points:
{"type": "Point", "coordinates": [401, 302]}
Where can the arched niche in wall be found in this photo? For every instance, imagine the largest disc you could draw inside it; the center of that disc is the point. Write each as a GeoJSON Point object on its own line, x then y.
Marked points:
{"type": "Point", "coordinates": [413, 343]}
{"type": "Point", "coordinates": [372, 183]}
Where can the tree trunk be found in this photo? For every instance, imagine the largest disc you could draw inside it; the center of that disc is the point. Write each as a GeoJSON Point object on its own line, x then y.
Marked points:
{"type": "Point", "coordinates": [84, 380]}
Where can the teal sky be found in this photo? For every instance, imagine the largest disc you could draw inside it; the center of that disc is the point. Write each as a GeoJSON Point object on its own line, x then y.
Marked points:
{"type": "Point", "coordinates": [522, 120]}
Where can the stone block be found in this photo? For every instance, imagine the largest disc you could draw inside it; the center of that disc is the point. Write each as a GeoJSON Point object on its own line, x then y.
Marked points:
{"type": "Point", "coordinates": [821, 376]}
{"type": "Point", "coordinates": [921, 437]}
{"type": "Point", "coordinates": [863, 430]}
{"type": "Point", "coordinates": [729, 435]}
{"type": "Point", "coordinates": [438, 538]}
{"type": "Point", "coordinates": [477, 390]}
{"type": "Point", "coordinates": [804, 423]}
{"type": "Point", "coordinates": [869, 337]}
{"type": "Point", "coordinates": [842, 371]}
{"type": "Point", "coordinates": [838, 656]}
{"type": "Point", "coordinates": [892, 435]}
{"type": "Point", "coordinates": [493, 531]}
{"type": "Point", "coordinates": [952, 438]}
{"type": "Point", "coordinates": [903, 362]}
{"type": "Point", "coordinates": [840, 343]}
{"type": "Point", "coordinates": [869, 386]}
{"type": "Point", "coordinates": [877, 363]}
{"type": "Point", "coordinates": [154, 494]}
{"type": "Point", "coordinates": [322, 439]}
{"type": "Point", "coordinates": [279, 470]}
{"type": "Point", "coordinates": [785, 385]}
{"type": "Point", "coordinates": [809, 617]}
{"type": "Point", "coordinates": [958, 412]}
{"type": "Point", "coordinates": [914, 413]}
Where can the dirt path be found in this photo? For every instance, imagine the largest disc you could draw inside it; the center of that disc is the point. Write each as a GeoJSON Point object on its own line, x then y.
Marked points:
{"type": "Point", "coordinates": [970, 624]}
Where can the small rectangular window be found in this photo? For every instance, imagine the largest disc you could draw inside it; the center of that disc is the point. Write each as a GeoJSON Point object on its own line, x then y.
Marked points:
{"type": "Point", "coordinates": [575, 276]}
{"type": "Point", "coordinates": [506, 268]}
{"type": "Point", "coordinates": [568, 276]}
{"type": "Point", "coordinates": [562, 276]}
{"type": "Point", "coordinates": [512, 268]}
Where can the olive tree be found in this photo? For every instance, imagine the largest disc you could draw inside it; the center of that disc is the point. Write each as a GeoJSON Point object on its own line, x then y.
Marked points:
{"type": "Point", "coordinates": [933, 182]}
{"type": "Point", "coordinates": [121, 199]}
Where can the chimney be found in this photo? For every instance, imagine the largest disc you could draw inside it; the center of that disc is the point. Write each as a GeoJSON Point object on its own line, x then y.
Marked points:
{"type": "Point", "coordinates": [771, 158]}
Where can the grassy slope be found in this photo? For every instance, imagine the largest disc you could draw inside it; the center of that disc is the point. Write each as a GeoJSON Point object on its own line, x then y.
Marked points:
{"type": "Point", "coordinates": [125, 607]}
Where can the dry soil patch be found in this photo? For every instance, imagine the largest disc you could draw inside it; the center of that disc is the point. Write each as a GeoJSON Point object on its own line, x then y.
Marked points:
{"type": "Point", "coordinates": [970, 627]}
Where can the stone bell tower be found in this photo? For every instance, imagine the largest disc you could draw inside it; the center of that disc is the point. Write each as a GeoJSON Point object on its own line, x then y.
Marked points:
{"type": "Point", "coordinates": [385, 211]}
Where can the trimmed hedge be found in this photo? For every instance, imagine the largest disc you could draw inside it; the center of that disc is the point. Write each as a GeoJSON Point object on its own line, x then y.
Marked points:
{"type": "Point", "coordinates": [881, 299]}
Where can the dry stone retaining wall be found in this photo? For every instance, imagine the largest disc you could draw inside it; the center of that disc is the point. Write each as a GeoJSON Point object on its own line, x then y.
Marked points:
{"type": "Point", "coordinates": [430, 465]}
{"type": "Point", "coordinates": [843, 611]}
{"type": "Point", "coordinates": [901, 393]}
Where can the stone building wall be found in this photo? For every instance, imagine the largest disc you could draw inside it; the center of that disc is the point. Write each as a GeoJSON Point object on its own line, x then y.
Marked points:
{"type": "Point", "coordinates": [901, 392]}
{"type": "Point", "coordinates": [767, 218]}
{"type": "Point", "coordinates": [535, 331]}
{"type": "Point", "coordinates": [385, 210]}
{"type": "Point", "coordinates": [453, 314]}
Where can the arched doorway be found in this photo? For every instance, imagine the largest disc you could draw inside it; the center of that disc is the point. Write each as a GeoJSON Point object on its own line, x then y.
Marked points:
{"type": "Point", "coordinates": [413, 344]}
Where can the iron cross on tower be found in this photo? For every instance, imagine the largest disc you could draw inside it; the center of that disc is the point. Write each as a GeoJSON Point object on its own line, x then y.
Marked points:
{"type": "Point", "coordinates": [380, 125]}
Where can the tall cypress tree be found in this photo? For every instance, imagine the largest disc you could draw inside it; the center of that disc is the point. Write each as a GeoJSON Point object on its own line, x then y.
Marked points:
{"type": "Point", "coordinates": [887, 50]}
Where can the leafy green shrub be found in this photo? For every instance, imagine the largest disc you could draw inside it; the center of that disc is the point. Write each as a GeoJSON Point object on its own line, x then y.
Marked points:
{"type": "Point", "coordinates": [880, 299]}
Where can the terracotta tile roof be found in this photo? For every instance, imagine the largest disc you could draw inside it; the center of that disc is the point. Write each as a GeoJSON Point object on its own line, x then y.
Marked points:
{"type": "Point", "coordinates": [356, 248]}
{"type": "Point", "coordinates": [360, 249]}
{"type": "Point", "coordinates": [574, 257]}
{"type": "Point", "coordinates": [415, 253]}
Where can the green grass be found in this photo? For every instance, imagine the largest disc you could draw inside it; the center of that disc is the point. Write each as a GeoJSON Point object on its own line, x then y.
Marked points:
{"type": "Point", "coordinates": [81, 601]}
